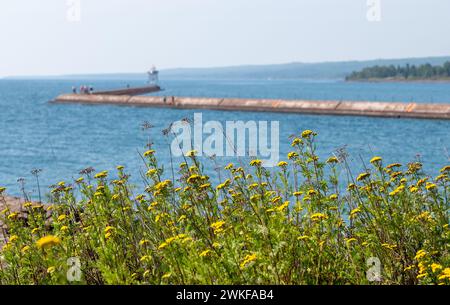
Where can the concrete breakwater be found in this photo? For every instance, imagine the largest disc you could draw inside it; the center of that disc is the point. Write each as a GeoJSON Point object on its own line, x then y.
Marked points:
{"type": "Point", "coordinates": [360, 108]}
{"type": "Point", "coordinates": [130, 91]}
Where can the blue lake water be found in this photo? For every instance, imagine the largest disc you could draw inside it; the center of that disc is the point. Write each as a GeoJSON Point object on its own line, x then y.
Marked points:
{"type": "Point", "coordinates": [63, 139]}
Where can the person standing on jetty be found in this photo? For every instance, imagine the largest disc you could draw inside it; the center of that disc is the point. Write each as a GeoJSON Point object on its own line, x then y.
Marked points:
{"type": "Point", "coordinates": [86, 89]}
{"type": "Point", "coordinates": [74, 90]}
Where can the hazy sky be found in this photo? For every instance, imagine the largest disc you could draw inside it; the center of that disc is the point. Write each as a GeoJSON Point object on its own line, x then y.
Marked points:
{"type": "Point", "coordinates": [39, 38]}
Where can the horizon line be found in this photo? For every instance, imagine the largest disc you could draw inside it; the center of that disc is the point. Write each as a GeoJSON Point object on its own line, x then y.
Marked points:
{"type": "Point", "coordinates": [223, 67]}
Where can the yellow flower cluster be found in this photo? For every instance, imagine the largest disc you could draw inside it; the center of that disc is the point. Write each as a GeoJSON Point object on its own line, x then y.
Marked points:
{"type": "Point", "coordinates": [445, 275]}
{"type": "Point", "coordinates": [296, 142]}
{"type": "Point", "coordinates": [420, 254]}
{"type": "Point", "coordinates": [205, 253]}
{"type": "Point", "coordinates": [255, 162]}
{"type": "Point", "coordinates": [144, 242]}
{"type": "Point", "coordinates": [430, 186]}
{"type": "Point", "coordinates": [282, 164]}
{"type": "Point", "coordinates": [332, 160]}
{"type": "Point", "coordinates": [445, 169]}
{"type": "Point", "coordinates": [350, 240]}
{"type": "Point", "coordinates": [375, 160]}
{"type": "Point", "coordinates": [101, 175]}
{"type": "Point", "coordinates": [218, 226]}
{"type": "Point", "coordinates": [193, 178]}
{"type": "Point", "coordinates": [354, 212]}
{"type": "Point", "coordinates": [48, 242]}
{"type": "Point", "coordinates": [229, 166]}
{"type": "Point", "coordinates": [161, 186]}
{"type": "Point", "coordinates": [248, 259]}
{"type": "Point", "coordinates": [292, 155]}
{"type": "Point", "coordinates": [318, 216]}
{"type": "Point", "coordinates": [223, 185]}
{"type": "Point", "coordinates": [149, 153]}
{"type": "Point", "coordinates": [180, 237]}
{"type": "Point", "coordinates": [393, 165]}
{"type": "Point", "coordinates": [283, 206]}
{"type": "Point", "coordinates": [362, 176]}
{"type": "Point", "coordinates": [108, 232]}
{"type": "Point", "coordinates": [389, 246]}
{"type": "Point", "coordinates": [151, 172]}
{"type": "Point", "coordinates": [424, 216]}
{"type": "Point", "coordinates": [13, 216]}
{"type": "Point", "coordinates": [397, 191]}
{"type": "Point", "coordinates": [307, 133]}
{"type": "Point", "coordinates": [191, 153]}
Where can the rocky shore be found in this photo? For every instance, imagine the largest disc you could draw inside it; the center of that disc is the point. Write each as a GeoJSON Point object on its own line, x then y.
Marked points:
{"type": "Point", "coordinates": [14, 204]}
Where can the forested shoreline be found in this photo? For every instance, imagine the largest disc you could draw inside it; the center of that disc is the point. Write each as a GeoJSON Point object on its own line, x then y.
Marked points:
{"type": "Point", "coordinates": [403, 73]}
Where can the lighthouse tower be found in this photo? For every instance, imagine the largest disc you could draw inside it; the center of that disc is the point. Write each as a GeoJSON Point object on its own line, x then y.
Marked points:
{"type": "Point", "coordinates": [153, 76]}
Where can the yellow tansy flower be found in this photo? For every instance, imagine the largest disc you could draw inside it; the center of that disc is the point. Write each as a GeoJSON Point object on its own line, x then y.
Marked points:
{"type": "Point", "coordinates": [283, 206]}
{"type": "Point", "coordinates": [292, 155]}
{"type": "Point", "coordinates": [350, 240]}
{"type": "Point", "coordinates": [375, 160]}
{"type": "Point", "coordinates": [149, 152]}
{"type": "Point", "coordinates": [218, 226]}
{"type": "Point", "coordinates": [247, 260]}
{"type": "Point", "coordinates": [318, 216]}
{"type": "Point", "coordinates": [282, 164]}
{"type": "Point", "coordinates": [420, 254]}
{"type": "Point", "coordinates": [255, 162]}
{"type": "Point", "coordinates": [362, 176]}
{"type": "Point", "coordinates": [48, 241]}
{"type": "Point", "coordinates": [205, 253]}
{"type": "Point", "coordinates": [435, 267]}
{"type": "Point", "coordinates": [51, 270]}
{"type": "Point", "coordinates": [307, 133]}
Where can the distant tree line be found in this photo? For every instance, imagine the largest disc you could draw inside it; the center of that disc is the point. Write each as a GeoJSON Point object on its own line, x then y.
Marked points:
{"type": "Point", "coordinates": [426, 71]}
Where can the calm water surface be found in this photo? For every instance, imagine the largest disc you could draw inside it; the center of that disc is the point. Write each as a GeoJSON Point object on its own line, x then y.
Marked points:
{"type": "Point", "coordinates": [63, 139]}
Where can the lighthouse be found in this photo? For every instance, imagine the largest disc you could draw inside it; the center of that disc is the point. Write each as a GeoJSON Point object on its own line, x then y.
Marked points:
{"type": "Point", "coordinates": [153, 76]}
